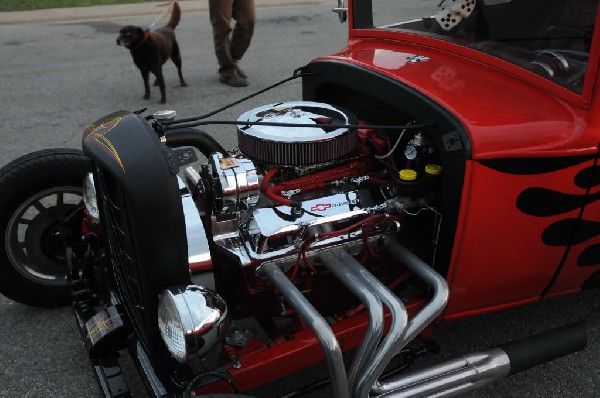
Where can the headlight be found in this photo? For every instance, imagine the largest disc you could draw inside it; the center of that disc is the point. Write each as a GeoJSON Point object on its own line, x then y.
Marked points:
{"type": "Point", "coordinates": [191, 320]}
{"type": "Point", "coordinates": [89, 197]}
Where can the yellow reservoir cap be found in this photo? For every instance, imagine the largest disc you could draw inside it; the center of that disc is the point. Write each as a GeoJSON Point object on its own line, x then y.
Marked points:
{"type": "Point", "coordinates": [433, 169]}
{"type": "Point", "coordinates": [407, 175]}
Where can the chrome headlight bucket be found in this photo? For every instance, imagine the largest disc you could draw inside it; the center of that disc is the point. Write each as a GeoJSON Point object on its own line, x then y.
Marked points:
{"type": "Point", "coordinates": [191, 320]}
{"type": "Point", "coordinates": [89, 197]}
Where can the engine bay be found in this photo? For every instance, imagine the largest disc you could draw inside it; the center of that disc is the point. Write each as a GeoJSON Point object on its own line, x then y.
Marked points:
{"type": "Point", "coordinates": [309, 177]}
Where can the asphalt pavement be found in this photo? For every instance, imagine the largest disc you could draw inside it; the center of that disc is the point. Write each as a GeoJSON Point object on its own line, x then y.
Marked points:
{"type": "Point", "coordinates": [61, 69]}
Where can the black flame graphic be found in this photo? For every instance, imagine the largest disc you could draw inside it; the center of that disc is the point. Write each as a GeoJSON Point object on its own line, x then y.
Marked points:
{"type": "Point", "coordinates": [543, 202]}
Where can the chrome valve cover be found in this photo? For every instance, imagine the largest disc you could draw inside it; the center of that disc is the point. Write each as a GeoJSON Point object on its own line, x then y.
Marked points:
{"type": "Point", "coordinates": [279, 230]}
{"type": "Point", "coordinates": [276, 233]}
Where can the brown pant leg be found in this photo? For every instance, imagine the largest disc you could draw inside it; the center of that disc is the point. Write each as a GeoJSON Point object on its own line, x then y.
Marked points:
{"type": "Point", "coordinates": [245, 16]}
{"type": "Point", "coordinates": [221, 12]}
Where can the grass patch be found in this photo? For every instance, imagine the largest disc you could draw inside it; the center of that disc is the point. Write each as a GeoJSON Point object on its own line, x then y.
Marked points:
{"type": "Point", "coordinates": [28, 5]}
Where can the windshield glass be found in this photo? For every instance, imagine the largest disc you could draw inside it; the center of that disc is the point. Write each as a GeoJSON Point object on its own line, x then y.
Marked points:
{"type": "Point", "coordinates": [549, 37]}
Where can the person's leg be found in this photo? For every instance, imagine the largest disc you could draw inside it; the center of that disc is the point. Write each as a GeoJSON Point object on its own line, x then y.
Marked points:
{"type": "Point", "coordinates": [245, 15]}
{"type": "Point", "coordinates": [220, 19]}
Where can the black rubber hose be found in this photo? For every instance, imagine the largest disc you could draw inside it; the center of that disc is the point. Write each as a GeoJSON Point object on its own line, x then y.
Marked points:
{"type": "Point", "coordinates": [187, 136]}
{"type": "Point", "coordinates": [544, 347]}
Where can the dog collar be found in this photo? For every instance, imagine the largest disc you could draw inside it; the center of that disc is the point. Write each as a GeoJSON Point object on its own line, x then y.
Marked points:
{"type": "Point", "coordinates": [146, 36]}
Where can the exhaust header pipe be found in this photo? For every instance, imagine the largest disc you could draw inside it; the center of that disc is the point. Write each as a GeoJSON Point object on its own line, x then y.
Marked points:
{"type": "Point", "coordinates": [447, 379]}
{"type": "Point", "coordinates": [326, 337]}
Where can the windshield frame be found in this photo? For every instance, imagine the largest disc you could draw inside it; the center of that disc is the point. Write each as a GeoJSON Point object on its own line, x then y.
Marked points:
{"type": "Point", "coordinates": [361, 26]}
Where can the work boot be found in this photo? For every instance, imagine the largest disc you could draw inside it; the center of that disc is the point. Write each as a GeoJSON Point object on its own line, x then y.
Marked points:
{"type": "Point", "coordinates": [240, 71]}
{"type": "Point", "coordinates": [233, 79]}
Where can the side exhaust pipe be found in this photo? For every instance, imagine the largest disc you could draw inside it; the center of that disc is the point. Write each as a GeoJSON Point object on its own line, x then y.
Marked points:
{"type": "Point", "coordinates": [476, 370]}
{"type": "Point", "coordinates": [545, 347]}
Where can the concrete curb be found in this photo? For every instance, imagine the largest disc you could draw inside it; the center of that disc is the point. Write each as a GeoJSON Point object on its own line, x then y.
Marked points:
{"type": "Point", "coordinates": [117, 11]}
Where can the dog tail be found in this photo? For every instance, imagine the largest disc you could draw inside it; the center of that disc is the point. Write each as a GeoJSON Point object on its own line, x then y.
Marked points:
{"type": "Point", "coordinates": [175, 15]}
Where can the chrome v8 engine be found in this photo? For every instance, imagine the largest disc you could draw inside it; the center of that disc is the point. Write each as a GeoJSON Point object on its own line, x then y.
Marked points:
{"type": "Point", "coordinates": [296, 186]}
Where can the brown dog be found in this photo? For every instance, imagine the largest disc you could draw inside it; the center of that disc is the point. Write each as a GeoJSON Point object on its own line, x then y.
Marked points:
{"type": "Point", "coordinates": [150, 50]}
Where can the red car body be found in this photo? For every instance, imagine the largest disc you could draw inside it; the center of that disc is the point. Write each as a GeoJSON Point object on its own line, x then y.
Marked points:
{"type": "Point", "coordinates": [537, 142]}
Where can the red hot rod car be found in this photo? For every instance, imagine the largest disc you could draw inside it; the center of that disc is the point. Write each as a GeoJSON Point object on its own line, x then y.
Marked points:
{"type": "Point", "coordinates": [436, 168]}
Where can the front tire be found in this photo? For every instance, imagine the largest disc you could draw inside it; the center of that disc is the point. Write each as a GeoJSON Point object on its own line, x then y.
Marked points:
{"type": "Point", "coordinates": [40, 193]}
